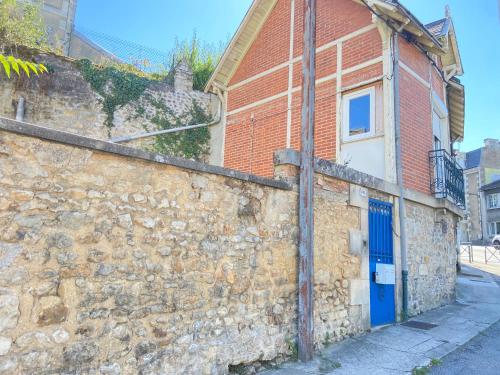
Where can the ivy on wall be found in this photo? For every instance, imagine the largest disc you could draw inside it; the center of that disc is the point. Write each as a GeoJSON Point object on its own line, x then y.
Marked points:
{"type": "Point", "coordinates": [190, 144]}
{"type": "Point", "coordinates": [119, 85]}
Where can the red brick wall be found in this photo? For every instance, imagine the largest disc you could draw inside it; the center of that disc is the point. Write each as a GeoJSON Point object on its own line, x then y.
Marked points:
{"type": "Point", "coordinates": [416, 132]}
{"type": "Point", "coordinates": [416, 116]}
{"type": "Point", "coordinates": [254, 134]}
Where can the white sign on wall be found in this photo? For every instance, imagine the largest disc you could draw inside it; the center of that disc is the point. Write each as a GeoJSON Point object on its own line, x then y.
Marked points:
{"type": "Point", "coordinates": [385, 274]}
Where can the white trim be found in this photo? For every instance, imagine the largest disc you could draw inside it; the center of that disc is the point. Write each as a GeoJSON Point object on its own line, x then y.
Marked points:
{"type": "Point", "coordinates": [224, 103]}
{"type": "Point", "coordinates": [297, 59]}
{"type": "Point", "coordinates": [338, 101]}
{"type": "Point", "coordinates": [497, 198]}
{"type": "Point", "coordinates": [318, 82]}
{"type": "Point", "coordinates": [259, 75]}
{"type": "Point", "coordinates": [290, 76]}
{"type": "Point", "coordinates": [346, 99]}
{"type": "Point", "coordinates": [414, 74]}
{"type": "Point", "coordinates": [438, 106]}
{"type": "Point", "coordinates": [362, 83]}
{"type": "Point", "coordinates": [260, 102]}
{"type": "Point", "coordinates": [363, 65]}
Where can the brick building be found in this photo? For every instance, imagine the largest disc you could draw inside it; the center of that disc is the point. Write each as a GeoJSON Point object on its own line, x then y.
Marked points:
{"type": "Point", "coordinates": [260, 79]}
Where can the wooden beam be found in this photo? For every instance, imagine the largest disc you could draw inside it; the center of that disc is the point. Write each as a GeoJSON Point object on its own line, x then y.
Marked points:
{"type": "Point", "coordinates": [306, 188]}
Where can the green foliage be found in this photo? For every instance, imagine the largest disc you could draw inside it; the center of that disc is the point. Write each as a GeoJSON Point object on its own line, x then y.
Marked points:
{"type": "Point", "coordinates": [117, 85]}
{"type": "Point", "coordinates": [425, 370]}
{"type": "Point", "coordinates": [202, 58]}
{"type": "Point", "coordinates": [190, 144]}
{"type": "Point", "coordinates": [21, 23]}
{"type": "Point", "coordinates": [293, 349]}
{"type": "Point", "coordinates": [17, 65]}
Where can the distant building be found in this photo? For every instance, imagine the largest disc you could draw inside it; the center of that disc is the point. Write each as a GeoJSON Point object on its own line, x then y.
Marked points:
{"type": "Point", "coordinates": [482, 186]}
{"type": "Point", "coordinates": [59, 16]}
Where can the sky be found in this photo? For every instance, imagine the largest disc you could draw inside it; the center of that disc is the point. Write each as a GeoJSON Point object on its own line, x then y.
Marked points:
{"type": "Point", "coordinates": [158, 23]}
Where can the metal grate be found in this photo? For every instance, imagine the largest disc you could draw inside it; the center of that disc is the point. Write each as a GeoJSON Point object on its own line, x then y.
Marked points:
{"type": "Point", "coordinates": [381, 244]}
{"type": "Point", "coordinates": [419, 325]}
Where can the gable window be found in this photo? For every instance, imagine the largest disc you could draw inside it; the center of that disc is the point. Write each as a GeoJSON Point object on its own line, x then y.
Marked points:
{"type": "Point", "coordinates": [359, 114]}
{"type": "Point", "coordinates": [493, 201]}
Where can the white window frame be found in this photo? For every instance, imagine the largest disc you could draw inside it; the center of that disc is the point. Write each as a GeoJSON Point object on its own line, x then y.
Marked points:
{"type": "Point", "coordinates": [346, 100]}
{"type": "Point", "coordinates": [492, 228]}
{"type": "Point", "coordinates": [489, 200]}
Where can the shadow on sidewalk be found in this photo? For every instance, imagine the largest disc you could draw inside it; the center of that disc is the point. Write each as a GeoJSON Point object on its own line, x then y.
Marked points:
{"type": "Point", "coordinates": [400, 348]}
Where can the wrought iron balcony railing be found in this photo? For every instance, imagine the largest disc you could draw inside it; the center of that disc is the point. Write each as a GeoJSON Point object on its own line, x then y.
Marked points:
{"type": "Point", "coordinates": [447, 177]}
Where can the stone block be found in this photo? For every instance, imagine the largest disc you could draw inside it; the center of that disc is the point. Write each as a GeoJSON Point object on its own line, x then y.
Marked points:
{"type": "Point", "coordinates": [358, 242]}
{"type": "Point", "coordinates": [358, 196]}
{"type": "Point", "coordinates": [359, 292]}
{"type": "Point", "coordinates": [9, 309]}
{"type": "Point", "coordinates": [50, 310]}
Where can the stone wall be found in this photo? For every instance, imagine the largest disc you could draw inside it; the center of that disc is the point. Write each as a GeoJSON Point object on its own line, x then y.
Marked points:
{"type": "Point", "coordinates": [122, 261]}
{"type": "Point", "coordinates": [64, 100]}
{"type": "Point", "coordinates": [432, 257]}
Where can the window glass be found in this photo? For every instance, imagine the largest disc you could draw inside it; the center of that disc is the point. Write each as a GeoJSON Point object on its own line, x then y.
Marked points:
{"type": "Point", "coordinates": [493, 201]}
{"type": "Point", "coordinates": [359, 115]}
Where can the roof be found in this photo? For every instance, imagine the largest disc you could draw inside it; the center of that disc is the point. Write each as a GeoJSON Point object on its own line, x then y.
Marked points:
{"type": "Point", "coordinates": [428, 38]}
{"type": "Point", "coordinates": [456, 108]}
{"type": "Point", "coordinates": [439, 28]}
{"type": "Point", "coordinates": [473, 159]}
{"type": "Point", "coordinates": [241, 42]}
{"type": "Point", "coordinates": [491, 186]}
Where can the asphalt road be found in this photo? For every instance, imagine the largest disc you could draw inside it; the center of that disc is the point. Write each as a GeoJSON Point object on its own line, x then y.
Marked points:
{"type": "Point", "coordinates": [480, 356]}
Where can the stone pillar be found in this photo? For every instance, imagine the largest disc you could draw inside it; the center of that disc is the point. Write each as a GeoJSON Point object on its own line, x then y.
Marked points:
{"type": "Point", "coordinates": [183, 77]}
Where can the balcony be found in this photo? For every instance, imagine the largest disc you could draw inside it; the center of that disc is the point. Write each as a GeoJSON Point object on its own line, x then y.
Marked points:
{"type": "Point", "coordinates": [447, 177]}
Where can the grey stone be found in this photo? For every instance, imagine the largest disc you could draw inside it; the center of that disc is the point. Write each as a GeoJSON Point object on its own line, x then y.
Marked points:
{"type": "Point", "coordinates": [165, 251]}
{"type": "Point", "coordinates": [9, 309]}
{"type": "Point", "coordinates": [73, 220]}
{"type": "Point", "coordinates": [32, 222]}
{"type": "Point", "coordinates": [59, 240]}
{"type": "Point", "coordinates": [13, 276]}
{"type": "Point", "coordinates": [105, 270]}
{"type": "Point", "coordinates": [79, 354]}
{"type": "Point", "coordinates": [110, 369]}
{"type": "Point", "coordinates": [33, 340]}
{"type": "Point", "coordinates": [8, 253]}
{"type": "Point", "coordinates": [60, 336]}
{"type": "Point", "coordinates": [5, 345]}
{"type": "Point", "coordinates": [8, 364]}
{"type": "Point", "coordinates": [125, 221]}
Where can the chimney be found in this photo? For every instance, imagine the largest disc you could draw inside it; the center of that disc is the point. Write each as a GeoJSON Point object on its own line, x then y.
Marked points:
{"type": "Point", "coordinates": [490, 142]}
{"type": "Point", "coordinates": [183, 77]}
{"type": "Point", "coordinates": [447, 11]}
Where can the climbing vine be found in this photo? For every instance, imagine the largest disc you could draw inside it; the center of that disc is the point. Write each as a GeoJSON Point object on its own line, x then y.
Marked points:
{"type": "Point", "coordinates": [190, 144]}
{"type": "Point", "coordinates": [116, 84]}
{"type": "Point", "coordinates": [119, 85]}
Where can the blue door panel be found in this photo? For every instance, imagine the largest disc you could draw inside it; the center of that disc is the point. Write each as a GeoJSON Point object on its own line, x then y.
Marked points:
{"type": "Point", "coordinates": [382, 306]}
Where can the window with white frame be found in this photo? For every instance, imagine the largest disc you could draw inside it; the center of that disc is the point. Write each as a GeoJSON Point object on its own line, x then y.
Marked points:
{"type": "Point", "coordinates": [493, 228]}
{"type": "Point", "coordinates": [359, 114]}
{"type": "Point", "coordinates": [493, 201]}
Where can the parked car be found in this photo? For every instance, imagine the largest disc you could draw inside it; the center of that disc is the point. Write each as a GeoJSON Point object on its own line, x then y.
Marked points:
{"type": "Point", "coordinates": [496, 240]}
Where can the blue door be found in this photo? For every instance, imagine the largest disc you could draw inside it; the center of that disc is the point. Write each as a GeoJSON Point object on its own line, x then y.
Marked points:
{"type": "Point", "coordinates": [382, 308]}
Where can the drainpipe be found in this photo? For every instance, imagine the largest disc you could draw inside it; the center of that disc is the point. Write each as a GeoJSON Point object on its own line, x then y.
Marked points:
{"type": "Point", "coordinates": [134, 137]}
{"type": "Point", "coordinates": [399, 173]}
{"type": "Point", "coordinates": [20, 109]}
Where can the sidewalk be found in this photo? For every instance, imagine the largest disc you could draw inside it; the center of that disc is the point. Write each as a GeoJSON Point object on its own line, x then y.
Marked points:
{"type": "Point", "coordinates": [398, 349]}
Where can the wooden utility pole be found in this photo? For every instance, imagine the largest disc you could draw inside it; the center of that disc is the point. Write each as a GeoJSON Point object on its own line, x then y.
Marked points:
{"type": "Point", "coordinates": [306, 189]}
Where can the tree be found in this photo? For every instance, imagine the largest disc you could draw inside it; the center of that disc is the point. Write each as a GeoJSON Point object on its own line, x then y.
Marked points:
{"type": "Point", "coordinates": [202, 59]}
{"type": "Point", "coordinates": [21, 24]}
